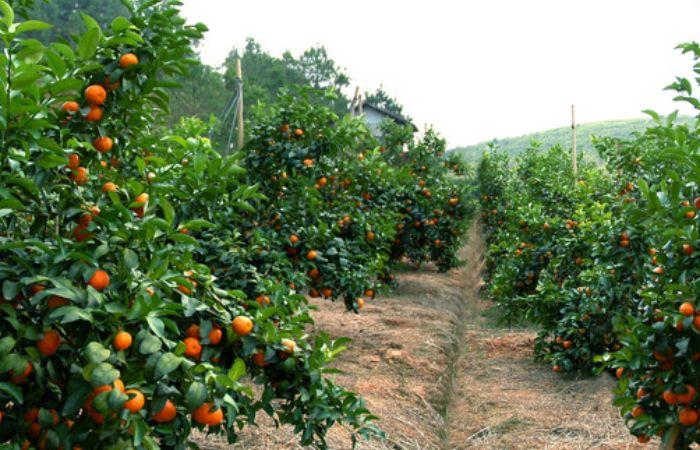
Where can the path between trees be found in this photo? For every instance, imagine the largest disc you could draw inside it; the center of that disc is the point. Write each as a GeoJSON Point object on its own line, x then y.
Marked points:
{"type": "Point", "coordinates": [442, 375]}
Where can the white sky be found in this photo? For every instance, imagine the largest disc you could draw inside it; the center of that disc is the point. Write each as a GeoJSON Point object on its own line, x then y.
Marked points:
{"type": "Point", "coordinates": [478, 70]}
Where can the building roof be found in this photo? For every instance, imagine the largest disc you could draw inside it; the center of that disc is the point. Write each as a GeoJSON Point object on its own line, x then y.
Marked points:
{"type": "Point", "coordinates": [396, 117]}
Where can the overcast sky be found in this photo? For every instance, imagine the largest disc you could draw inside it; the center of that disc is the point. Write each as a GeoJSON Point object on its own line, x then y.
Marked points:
{"type": "Point", "coordinates": [478, 70]}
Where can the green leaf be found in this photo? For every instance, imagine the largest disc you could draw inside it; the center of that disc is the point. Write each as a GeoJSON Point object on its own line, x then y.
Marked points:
{"type": "Point", "coordinates": [96, 353]}
{"type": "Point", "coordinates": [104, 374]}
{"type": "Point", "coordinates": [13, 391]}
{"type": "Point", "coordinates": [32, 25]}
{"type": "Point", "coordinates": [131, 259]}
{"type": "Point", "coordinates": [6, 345]}
{"type": "Point", "coordinates": [65, 85]}
{"type": "Point", "coordinates": [89, 22]}
{"type": "Point", "coordinates": [150, 345]}
{"type": "Point", "coordinates": [156, 325]}
{"type": "Point", "coordinates": [166, 364]}
{"type": "Point", "coordinates": [197, 224]}
{"type": "Point", "coordinates": [88, 43]}
{"type": "Point", "coordinates": [196, 395]}
{"type": "Point", "coordinates": [237, 370]}
{"type": "Point", "coordinates": [120, 24]}
{"type": "Point", "coordinates": [7, 12]}
{"type": "Point", "coordinates": [168, 210]}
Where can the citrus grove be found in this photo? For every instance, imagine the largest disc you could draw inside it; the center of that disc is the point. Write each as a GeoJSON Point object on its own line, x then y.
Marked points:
{"type": "Point", "coordinates": [152, 284]}
{"type": "Point", "coordinates": [606, 261]}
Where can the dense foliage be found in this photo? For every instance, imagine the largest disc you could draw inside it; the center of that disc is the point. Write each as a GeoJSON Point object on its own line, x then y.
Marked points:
{"type": "Point", "coordinates": [606, 261]}
{"type": "Point", "coordinates": [150, 285]}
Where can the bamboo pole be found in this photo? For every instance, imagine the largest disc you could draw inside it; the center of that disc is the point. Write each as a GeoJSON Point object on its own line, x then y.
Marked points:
{"type": "Point", "coordinates": [239, 76]}
{"type": "Point", "coordinates": [574, 150]}
{"type": "Point", "coordinates": [354, 104]}
{"type": "Point", "coordinates": [669, 443]}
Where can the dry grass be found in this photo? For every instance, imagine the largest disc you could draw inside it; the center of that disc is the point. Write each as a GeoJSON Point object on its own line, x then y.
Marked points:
{"type": "Point", "coordinates": [441, 376]}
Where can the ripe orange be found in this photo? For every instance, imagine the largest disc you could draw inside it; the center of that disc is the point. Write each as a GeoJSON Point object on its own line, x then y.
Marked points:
{"type": "Point", "coordinates": [369, 293]}
{"type": "Point", "coordinates": [56, 302]}
{"type": "Point", "coordinates": [99, 280]}
{"type": "Point", "coordinates": [314, 273]}
{"type": "Point", "coordinates": [263, 300]}
{"type": "Point", "coordinates": [687, 416]}
{"type": "Point", "coordinates": [142, 198]}
{"type": "Point", "coordinates": [293, 239]}
{"type": "Point", "coordinates": [641, 392]}
{"type": "Point", "coordinates": [637, 411]}
{"type": "Point", "coordinates": [453, 201]}
{"type": "Point", "coordinates": [370, 235]}
{"type": "Point", "coordinates": [298, 132]}
{"type": "Point", "coordinates": [311, 255]}
{"type": "Point", "coordinates": [688, 249]}
{"type": "Point", "coordinates": [103, 144]}
{"type": "Point", "coordinates": [658, 270]}
{"type": "Point", "coordinates": [313, 293]}
{"type": "Point", "coordinates": [697, 203]}
{"type": "Point", "coordinates": [70, 107]}
{"type": "Point", "coordinates": [73, 161]}
{"type": "Point", "coordinates": [95, 114]}
{"type": "Point", "coordinates": [619, 372]}
{"type": "Point", "coordinates": [135, 403]}
{"type": "Point", "coordinates": [123, 340]}
{"type": "Point", "coordinates": [215, 335]}
{"type": "Point", "coordinates": [207, 415]}
{"type": "Point", "coordinates": [109, 187]}
{"type": "Point", "coordinates": [81, 176]}
{"type": "Point", "coordinates": [687, 397]}
{"type": "Point", "coordinates": [81, 234]}
{"type": "Point", "coordinates": [242, 325]}
{"type": "Point", "coordinates": [167, 414]}
{"type": "Point", "coordinates": [308, 162]}
{"type": "Point", "coordinates": [289, 345]}
{"type": "Point", "coordinates": [696, 322]}
{"type": "Point", "coordinates": [85, 219]}
{"type": "Point", "coordinates": [360, 303]}
{"type": "Point", "coordinates": [327, 292]}
{"type": "Point", "coordinates": [690, 214]}
{"type": "Point", "coordinates": [322, 182]}
{"type": "Point", "coordinates": [669, 397]}
{"type": "Point", "coordinates": [128, 60]}
{"type": "Point", "coordinates": [193, 349]}
{"type": "Point", "coordinates": [567, 344]}
{"type": "Point", "coordinates": [95, 95]}
{"type": "Point", "coordinates": [193, 331]}
{"type": "Point", "coordinates": [20, 379]}
{"type": "Point", "coordinates": [259, 358]}
{"type": "Point", "coordinates": [687, 309]}
{"type": "Point", "coordinates": [48, 344]}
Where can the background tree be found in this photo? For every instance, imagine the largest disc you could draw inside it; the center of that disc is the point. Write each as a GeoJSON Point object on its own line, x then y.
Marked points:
{"type": "Point", "coordinates": [383, 100]}
{"type": "Point", "coordinates": [66, 18]}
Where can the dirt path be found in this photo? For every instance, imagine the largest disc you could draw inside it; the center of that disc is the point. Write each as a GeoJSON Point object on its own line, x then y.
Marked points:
{"type": "Point", "coordinates": [442, 376]}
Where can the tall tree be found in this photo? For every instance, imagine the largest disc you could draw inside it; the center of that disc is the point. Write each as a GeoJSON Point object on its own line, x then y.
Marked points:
{"type": "Point", "coordinates": [383, 100]}
{"type": "Point", "coordinates": [66, 19]}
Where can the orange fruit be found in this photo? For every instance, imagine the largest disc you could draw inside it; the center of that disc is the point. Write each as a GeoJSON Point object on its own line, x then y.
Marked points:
{"type": "Point", "coordinates": [360, 303]}
{"type": "Point", "coordinates": [193, 331]}
{"type": "Point", "coordinates": [20, 379]}
{"type": "Point", "coordinates": [308, 162]}
{"type": "Point", "coordinates": [658, 270]}
{"type": "Point", "coordinates": [298, 132]}
{"type": "Point", "coordinates": [687, 416]}
{"type": "Point", "coordinates": [167, 414]}
{"type": "Point", "coordinates": [123, 340]}
{"type": "Point", "coordinates": [49, 343]}
{"type": "Point", "coordinates": [314, 273]}
{"type": "Point", "coordinates": [56, 302]}
{"type": "Point", "coordinates": [322, 182]}
{"type": "Point", "coordinates": [70, 107]}
{"type": "Point", "coordinates": [85, 219]}
{"type": "Point", "coordinates": [311, 255]}
{"type": "Point", "coordinates": [687, 397]}
{"type": "Point", "coordinates": [95, 114]}
{"type": "Point", "coordinates": [103, 144]}
{"type": "Point", "coordinates": [242, 325]}
{"type": "Point", "coordinates": [259, 358]}
{"type": "Point", "coordinates": [135, 402]}
{"type": "Point", "coordinates": [73, 161]}
{"type": "Point", "coordinates": [95, 95]}
{"type": "Point", "coordinates": [81, 176]}
{"type": "Point", "coordinates": [369, 293]}
{"type": "Point", "coordinates": [207, 415]}
{"type": "Point", "coordinates": [670, 397]}
{"type": "Point", "coordinates": [263, 300]}
{"type": "Point", "coordinates": [327, 292]}
{"type": "Point", "coordinates": [619, 372]}
{"type": "Point", "coordinates": [99, 280]}
{"type": "Point", "coordinates": [215, 335]}
{"type": "Point", "coordinates": [293, 239]}
{"type": "Point", "coordinates": [637, 411]}
{"type": "Point", "coordinates": [567, 344]}
{"type": "Point", "coordinates": [193, 349]}
{"type": "Point", "coordinates": [688, 249]}
{"type": "Point", "coordinates": [289, 345]}
{"type": "Point", "coordinates": [370, 235]}
{"type": "Point", "coordinates": [109, 187]}
{"type": "Point", "coordinates": [687, 309]}
{"type": "Point", "coordinates": [128, 60]}
{"type": "Point", "coordinates": [81, 234]}
{"type": "Point", "coordinates": [690, 214]}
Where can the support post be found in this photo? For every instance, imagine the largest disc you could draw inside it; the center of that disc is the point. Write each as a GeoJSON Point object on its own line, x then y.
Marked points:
{"type": "Point", "coordinates": [239, 76]}
{"type": "Point", "coordinates": [574, 150]}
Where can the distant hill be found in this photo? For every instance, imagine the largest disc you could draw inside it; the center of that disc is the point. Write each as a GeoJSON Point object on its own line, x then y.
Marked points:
{"type": "Point", "coordinates": [562, 136]}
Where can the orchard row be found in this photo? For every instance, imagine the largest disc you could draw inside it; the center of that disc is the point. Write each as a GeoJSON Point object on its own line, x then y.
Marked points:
{"type": "Point", "coordinates": [606, 261]}
{"type": "Point", "coordinates": [151, 284]}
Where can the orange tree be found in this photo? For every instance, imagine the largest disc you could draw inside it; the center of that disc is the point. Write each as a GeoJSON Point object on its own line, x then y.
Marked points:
{"type": "Point", "coordinates": [115, 332]}
{"type": "Point", "coordinates": [609, 265]}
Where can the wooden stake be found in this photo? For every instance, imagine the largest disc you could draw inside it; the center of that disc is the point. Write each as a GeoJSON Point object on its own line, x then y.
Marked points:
{"type": "Point", "coordinates": [669, 443]}
{"type": "Point", "coordinates": [574, 150]}
{"type": "Point", "coordinates": [239, 75]}
{"type": "Point", "coordinates": [354, 104]}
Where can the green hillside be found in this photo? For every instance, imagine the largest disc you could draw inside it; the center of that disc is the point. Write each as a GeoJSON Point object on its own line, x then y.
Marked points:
{"type": "Point", "coordinates": [562, 136]}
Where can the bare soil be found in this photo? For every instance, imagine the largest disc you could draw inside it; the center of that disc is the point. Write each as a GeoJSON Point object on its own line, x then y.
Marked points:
{"type": "Point", "coordinates": [441, 375]}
